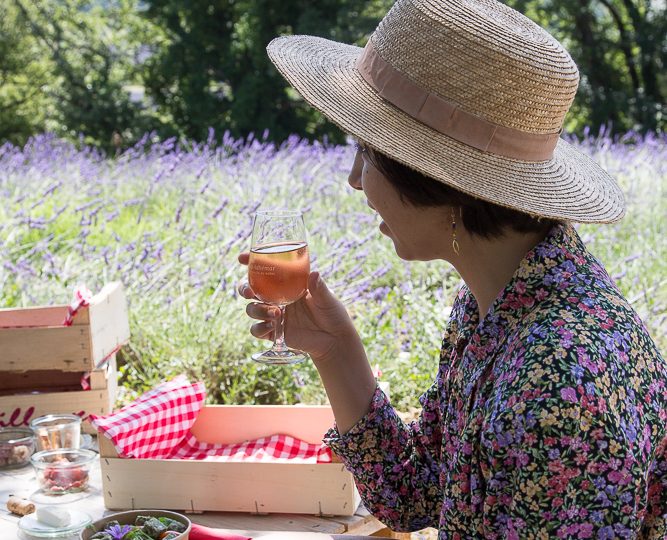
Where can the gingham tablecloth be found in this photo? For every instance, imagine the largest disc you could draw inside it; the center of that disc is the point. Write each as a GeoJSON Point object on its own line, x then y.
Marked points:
{"type": "Point", "coordinates": [157, 426]}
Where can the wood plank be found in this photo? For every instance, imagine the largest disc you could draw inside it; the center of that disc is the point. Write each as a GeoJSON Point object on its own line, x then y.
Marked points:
{"type": "Point", "coordinates": [362, 520]}
{"type": "Point", "coordinates": [236, 521]}
{"type": "Point", "coordinates": [52, 380]}
{"type": "Point", "coordinates": [104, 378]}
{"type": "Point", "coordinates": [109, 323]}
{"type": "Point", "coordinates": [19, 409]}
{"type": "Point", "coordinates": [66, 348]}
{"type": "Point", "coordinates": [229, 424]}
{"type": "Point", "coordinates": [372, 528]}
{"type": "Point", "coordinates": [237, 487]}
{"type": "Point", "coordinates": [107, 448]}
{"type": "Point", "coordinates": [43, 380]}
{"type": "Point", "coordinates": [39, 316]}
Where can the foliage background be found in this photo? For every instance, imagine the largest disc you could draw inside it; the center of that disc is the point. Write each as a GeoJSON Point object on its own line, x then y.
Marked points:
{"type": "Point", "coordinates": [169, 220]}
{"type": "Point", "coordinates": [109, 71]}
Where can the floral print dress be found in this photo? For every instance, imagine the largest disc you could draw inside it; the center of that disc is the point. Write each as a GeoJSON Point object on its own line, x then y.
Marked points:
{"type": "Point", "coordinates": [547, 419]}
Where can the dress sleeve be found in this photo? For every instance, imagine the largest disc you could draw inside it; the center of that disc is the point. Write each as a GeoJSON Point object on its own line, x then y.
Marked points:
{"type": "Point", "coordinates": [556, 469]}
{"type": "Point", "coordinates": [396, 466]}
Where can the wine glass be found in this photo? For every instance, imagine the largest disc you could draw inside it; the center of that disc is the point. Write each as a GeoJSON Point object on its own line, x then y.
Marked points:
{"type": "Point", "coordinates": [278, 272]}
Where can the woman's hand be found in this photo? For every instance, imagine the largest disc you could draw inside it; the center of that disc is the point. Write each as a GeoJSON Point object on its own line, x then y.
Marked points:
{"type": "Point", "coordinates": [317, 323]}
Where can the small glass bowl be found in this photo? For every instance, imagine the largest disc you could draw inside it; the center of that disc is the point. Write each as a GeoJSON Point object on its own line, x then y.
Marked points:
{"type": "Point", "coordinates": [55, 431]}
{"type": "Point", "coordinates": [16, 446]}
{"type": "Point", "coordinates": [63, 471]}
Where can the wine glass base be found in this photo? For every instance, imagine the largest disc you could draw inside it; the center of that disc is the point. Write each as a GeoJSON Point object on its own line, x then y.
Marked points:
{"type": "Point", "coordinates": [286, 357]}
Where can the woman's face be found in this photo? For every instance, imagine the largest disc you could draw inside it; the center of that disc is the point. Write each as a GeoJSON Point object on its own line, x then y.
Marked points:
{"type": "Point", "coordinates": [418, 233]}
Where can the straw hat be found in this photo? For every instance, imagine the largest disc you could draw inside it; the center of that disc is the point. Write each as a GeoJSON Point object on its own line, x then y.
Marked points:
{"type": "Point", "coordinates": [469, 92]}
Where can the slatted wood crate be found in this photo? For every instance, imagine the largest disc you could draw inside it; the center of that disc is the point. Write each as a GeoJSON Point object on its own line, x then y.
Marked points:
{"type": "Point", "coordinates": [195, 486]}
{"type": "Point", "coordinates": [42, 361]}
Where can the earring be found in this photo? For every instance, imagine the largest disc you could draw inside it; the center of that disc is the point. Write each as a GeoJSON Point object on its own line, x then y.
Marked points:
{"type": "Point", "coordinates": [455, 242]}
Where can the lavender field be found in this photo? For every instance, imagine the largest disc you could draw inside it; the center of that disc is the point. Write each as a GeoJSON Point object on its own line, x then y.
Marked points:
{"type": "Point", "coordinates": [169, 220]}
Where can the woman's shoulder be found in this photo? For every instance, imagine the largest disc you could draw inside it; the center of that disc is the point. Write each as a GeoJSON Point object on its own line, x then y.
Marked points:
{"type": "Point", "coordinates": [583, 323]}
{"type": "Point", "coordinates": [600, 358]}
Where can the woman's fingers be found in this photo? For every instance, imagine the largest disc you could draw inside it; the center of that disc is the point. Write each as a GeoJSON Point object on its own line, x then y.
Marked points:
{"type": "Point", "coordinates": [263, 330]}
{"type": "Point", "coordinates": [256, 310]}
{"type": "Point", "coordinates": [262, 312]}
{"type": "Point", "coordinates": [243, 288]}
{"type": "Point", "coordinates": [245, 291]}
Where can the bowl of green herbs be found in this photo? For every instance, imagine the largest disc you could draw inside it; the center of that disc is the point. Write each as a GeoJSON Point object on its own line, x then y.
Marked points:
{"type": "Point", "coordinates": [139, 525]}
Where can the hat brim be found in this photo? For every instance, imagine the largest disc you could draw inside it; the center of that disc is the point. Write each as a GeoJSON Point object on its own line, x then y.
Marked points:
{"type": "Point", "coordinates": [570, 186]}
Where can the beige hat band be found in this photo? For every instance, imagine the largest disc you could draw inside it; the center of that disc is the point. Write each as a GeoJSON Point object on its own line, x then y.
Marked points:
{"type": "Point", "coordinates": [448, 118]}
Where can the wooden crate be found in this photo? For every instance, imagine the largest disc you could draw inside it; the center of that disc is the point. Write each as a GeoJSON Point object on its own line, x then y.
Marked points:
{"type": "Point", "coordinates": [42, 361]}
{"type": "Point", "coordinates": [195, 486]}
{"type": "Point", "coordinates": [35, 339]}
{"type": "Point", "coordinates": [20, 407]}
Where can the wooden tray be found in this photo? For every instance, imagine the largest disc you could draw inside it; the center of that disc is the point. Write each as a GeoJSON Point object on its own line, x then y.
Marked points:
{"type": "Point", "coordinates": [195, 486]}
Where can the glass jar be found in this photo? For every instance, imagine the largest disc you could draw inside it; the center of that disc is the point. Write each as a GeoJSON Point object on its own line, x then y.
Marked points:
{"type": "Point", "coordinates": [16, 446]}
{"type": "Point", "coordinates": [57, 431]}
{"type": "Point", "coordinates": [63, 471]}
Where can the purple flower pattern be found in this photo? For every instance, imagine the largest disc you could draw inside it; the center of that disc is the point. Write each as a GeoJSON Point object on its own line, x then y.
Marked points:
{"type": "Point", "coordinates": [547, 419]}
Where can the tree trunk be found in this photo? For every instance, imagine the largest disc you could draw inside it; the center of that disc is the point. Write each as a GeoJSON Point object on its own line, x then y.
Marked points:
{"type": "Point", "coordinates": [648, 40]}
{"type": "Point", "coordinates": [625, 45]}
{"type": "Point", "coordinates": [603, 109]}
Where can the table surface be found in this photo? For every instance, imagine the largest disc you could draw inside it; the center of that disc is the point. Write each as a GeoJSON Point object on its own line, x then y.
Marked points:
{"type": "Point", "coordinates": [22, 482]}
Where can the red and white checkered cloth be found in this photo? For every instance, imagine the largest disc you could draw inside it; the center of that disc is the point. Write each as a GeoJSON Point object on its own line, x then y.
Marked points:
{"type": "Point", "coordinates": [274, 449]}
{"type": "Point", "coordinates": [157, 422]}
{"type": "Point", "coordinates": [157, 426]}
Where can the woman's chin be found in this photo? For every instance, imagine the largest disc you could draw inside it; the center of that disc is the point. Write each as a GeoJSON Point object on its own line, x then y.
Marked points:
{"type": "Point", "coordinates": [400, 252]}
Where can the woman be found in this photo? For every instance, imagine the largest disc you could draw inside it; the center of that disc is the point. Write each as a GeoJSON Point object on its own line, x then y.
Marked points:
{"type": "Point", "coordinates": [547, 417]}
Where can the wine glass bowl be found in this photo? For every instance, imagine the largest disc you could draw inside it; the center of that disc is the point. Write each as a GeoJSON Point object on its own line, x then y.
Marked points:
{"type": "Point", "coordinates": [278, 271]}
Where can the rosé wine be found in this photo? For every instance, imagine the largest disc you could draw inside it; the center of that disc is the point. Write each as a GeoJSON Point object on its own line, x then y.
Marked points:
{"type": "Point", "coordinates": [278, 273]}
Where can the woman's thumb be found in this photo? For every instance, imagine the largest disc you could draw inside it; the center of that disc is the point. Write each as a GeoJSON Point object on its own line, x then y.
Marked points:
{"type": "Point", "coordinates": [319, 290]}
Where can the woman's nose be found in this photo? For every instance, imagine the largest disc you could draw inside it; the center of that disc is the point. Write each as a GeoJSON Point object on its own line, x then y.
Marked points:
{"type": "Point", "coordinates": [354, 179]}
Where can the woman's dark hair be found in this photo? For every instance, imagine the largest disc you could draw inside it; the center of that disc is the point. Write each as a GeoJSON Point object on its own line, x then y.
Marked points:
{"type": "Point", "coordinates": [479, 217]}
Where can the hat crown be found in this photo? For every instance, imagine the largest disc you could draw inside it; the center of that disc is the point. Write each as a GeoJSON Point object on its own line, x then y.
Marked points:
{"type": "Point", "coordinates": [486, 58]}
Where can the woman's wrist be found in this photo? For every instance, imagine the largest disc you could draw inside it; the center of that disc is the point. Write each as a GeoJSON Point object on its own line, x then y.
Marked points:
{"type": "Point", "coordinates": [347, 348]}
{"type": "Point", "coordinates": [348, 380]}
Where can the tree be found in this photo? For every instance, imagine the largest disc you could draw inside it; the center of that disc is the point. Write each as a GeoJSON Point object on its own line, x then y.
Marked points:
{"type": "Point", "coordinates": [91, 48]}
{"type": "Point", "coordinates": [24, 79]}
{"type": "Point", "coordinates": [65, 65]}
{"type": "Point", "coordinates": [215, 71]}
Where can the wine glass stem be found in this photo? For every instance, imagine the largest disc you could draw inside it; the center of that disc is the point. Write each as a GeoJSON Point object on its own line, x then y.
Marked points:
{"type": "Point", "coordinates": [279, 332]}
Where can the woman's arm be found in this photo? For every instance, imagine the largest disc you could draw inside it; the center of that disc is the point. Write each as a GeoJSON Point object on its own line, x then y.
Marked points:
{"type": "Point", "coordinates": [401, 488]}
{"type": "Point", "coordinates": [396, 466]}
